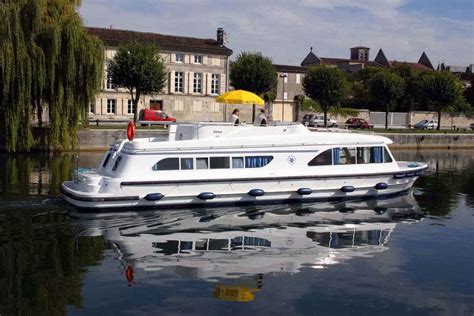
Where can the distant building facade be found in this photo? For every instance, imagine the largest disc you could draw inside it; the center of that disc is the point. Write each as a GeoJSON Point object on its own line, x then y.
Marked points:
{"type": "Point", "coordinates": [290, 78]}
{"type": "Point", "coordinates": [198, 71]}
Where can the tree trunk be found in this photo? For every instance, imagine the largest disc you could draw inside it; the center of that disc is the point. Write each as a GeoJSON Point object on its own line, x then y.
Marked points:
{"type": "Point", "coordinates": [325, 110]}
{"type": "Point", "coordinates": [253, 112]}
{"type": "Point", "coordinates": [135, 105]}
{"type": "Point", "coordinates": [39, 114]}
{"type": "Point", "coordinates": [439, 121]}
{"type": "Point", "coordinates": [386, 118]}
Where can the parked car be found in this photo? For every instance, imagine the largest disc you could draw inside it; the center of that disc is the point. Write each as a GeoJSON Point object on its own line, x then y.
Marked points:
{"type": "Point", "coordinates": [314, 120]}
{"type": "Point", "coordinates": [356, 122]}
{"type": "Point", "coordinates": [426, 124]}
{"type": "Point", "coordinates": [155, 115]}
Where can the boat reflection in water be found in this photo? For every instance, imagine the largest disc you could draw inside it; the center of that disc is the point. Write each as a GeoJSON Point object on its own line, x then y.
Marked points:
{"type": "Point", "coordinates": [239, 245]}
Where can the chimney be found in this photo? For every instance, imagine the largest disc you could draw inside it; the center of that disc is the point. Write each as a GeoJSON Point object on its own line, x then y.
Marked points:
{"type": "Point", "coordinates": [220, 36]}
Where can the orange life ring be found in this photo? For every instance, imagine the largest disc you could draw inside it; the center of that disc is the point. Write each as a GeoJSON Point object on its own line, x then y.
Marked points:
{"type": "Point", "coordinates": [131, 131]}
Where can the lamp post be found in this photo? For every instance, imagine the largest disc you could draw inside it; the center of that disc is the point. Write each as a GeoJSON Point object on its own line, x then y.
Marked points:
{"type": "Point", "coordinates": [283, 76]}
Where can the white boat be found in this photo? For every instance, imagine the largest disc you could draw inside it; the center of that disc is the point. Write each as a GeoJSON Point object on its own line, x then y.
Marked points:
{"type": "Point", "coordinates": [215, 164]}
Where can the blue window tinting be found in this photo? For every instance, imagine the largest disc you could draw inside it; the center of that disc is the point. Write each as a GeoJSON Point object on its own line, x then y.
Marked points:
{"type": "Point", "coordinates": [335, 156]}
{"type": "Point", "coordinates": [376, 154]}
{"type": "Point", "coordinates": [257, 162]}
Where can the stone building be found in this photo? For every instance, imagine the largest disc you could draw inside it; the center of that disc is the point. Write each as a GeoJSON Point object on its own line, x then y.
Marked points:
{"type": "Point", "coordinates": [198, 71]}
{"type": "Point", "coordinates": [290, 78]}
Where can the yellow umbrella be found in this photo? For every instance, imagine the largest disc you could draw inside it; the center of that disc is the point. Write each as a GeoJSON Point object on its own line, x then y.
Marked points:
{"type": "Point", "coordinates": [240, 97]}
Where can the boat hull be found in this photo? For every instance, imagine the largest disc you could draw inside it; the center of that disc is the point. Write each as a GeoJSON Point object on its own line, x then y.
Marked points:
{"type": "Point", "coordinates": [186, 194]}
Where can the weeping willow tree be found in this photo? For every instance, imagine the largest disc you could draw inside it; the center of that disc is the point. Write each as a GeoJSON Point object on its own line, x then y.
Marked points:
{"type": "Point", "coordinates": [47, 62]}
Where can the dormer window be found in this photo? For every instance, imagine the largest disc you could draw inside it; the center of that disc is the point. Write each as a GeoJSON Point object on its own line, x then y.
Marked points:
{"type": "Point", "coordinates": [179, 58]}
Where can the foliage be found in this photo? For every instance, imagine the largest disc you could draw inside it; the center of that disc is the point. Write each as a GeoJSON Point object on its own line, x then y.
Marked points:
{"type": "Point", "coordinates": [139, 68]}
{"type": "Point", "coordinates": [326, 85]}
{"type": "Point", "coordinates": [386, 88]}
{"type": "Point", "coordinates": [442, 91]}
{"type": "Point", "coordinates": [269, 97]}
{"type": "Point", "coordinates": [253, 72]}
{"type": "Point", "coordinates": [411, 98]}
{"type": "Point", "coordinates": [47, 59]}
{"type": "Point", "coordinates": [311, 105]}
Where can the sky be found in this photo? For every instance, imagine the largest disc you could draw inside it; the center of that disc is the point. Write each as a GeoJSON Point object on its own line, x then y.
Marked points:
{"type": "Point", "coordinates": [284, 30]}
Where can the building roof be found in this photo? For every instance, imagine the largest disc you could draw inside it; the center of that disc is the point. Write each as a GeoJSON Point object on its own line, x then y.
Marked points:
{"type": "Point", "coordinates": [290, 68]}
{"type": "Point", "coordinates": [310, 59]}
{"type": "Point", "coordinates": [424, 60]}
{"type": "Point", "coordinates": [417, 66]}
{"type": "Point", "coordinates": [360, 47]}
{"type": "Point", "coordinates": [114, 37]}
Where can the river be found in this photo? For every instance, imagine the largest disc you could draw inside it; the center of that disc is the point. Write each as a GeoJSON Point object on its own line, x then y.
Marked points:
{"type": "Point", "coordinates": [408, 255]}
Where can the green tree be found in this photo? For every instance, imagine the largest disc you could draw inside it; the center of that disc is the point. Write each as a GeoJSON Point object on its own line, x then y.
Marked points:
{"type": "Point", "coordinates": [269, 97]}
{"type": "Point", "coordinates": [253, 72]}
{"type": "Point", "coordinates": [443, 92]}
{"type": "Point", "coordinates": [327, 86]}
{"type": "Point", "coordinates": [139, 68]}
{"type": "Point", "coordinates": [386, 89]}
{"type": "Point", "coordinates": [411, 98]}
{"type": "Point", "coordinates": [46, 59]}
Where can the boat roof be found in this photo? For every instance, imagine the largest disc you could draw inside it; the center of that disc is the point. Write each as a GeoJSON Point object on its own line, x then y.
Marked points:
{"type": "Point", "coordinates": [195, 135]}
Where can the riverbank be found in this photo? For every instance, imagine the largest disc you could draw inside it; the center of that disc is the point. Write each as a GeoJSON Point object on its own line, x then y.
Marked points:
{"type": "Point", "coordinates": [94, 139]}
{"type": "Point", "coordinates": [100, 139]}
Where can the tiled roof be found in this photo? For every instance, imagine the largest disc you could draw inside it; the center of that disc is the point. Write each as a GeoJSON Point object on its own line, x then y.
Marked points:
{"type": "Point", "coordinates": [114, 37]}
{"type": "Point", "coordinates": [412, 65]}
{"type": "Point", "coordinates": [290, 68]}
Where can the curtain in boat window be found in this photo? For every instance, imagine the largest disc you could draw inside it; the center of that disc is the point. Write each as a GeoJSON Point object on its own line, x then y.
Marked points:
{"type": "Point", "coordinates": [257, 162]}
{"type": "Point", "coordinates": [376, 154]}
{"type": "Point", "coordinates": [336, 156]}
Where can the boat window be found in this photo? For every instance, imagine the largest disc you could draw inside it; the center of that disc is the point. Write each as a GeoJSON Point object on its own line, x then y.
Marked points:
{"type": "Point", "coordinates": [167, 164]}
{"type": "Point", "coordinates": [376, 154]}
{"type": "Point", "coordinates": [386, 155]}
{"type": "Point", "coordinates": [237, 162]}
{"type": "Point", "coordinates": [187, 164]}
{"type": "Point", "coordinates": [202, 163]}
{"type": "Point", "coordinates": [116, 164]}
{"type": "Point", "coordinates": [323, 159]}
{"type": "Point", "coordinates": [219, 162]}
{"type": "Point", "coordinates": [344, 156]}
{"type": "Point", "coordinates": [106, 160]}
{"type": "Point", "coordinates": [363, 155]}
{"type": "Point", "coordinates": [258, 161]}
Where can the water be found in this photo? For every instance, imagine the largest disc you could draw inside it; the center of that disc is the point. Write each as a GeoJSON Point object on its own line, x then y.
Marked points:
{"type": "Point", "coordinates": [408, 255]}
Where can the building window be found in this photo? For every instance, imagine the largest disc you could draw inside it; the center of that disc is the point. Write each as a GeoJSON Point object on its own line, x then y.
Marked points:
{"type": "Point", "coordinates": [111, 106]}
{"type": "Point", "coordinates": [167, 164]}
{"type": "Point", "coordinates": [285, 95]}
{"type": "Point", "coordinates": [197, 84]}
{"type": "Point", "coordinates": [179, 58]}
{"type": "Point", "coordinates": [198, 59]}
{"type": "Point", "coordinates": [285, 78]}
{"type": "Point", "coordinates": [215, 84]}
{"type": "Point", "coordinates": [110, 84]}
{"type": "Point", "coordinates": [178, 82]}
{"type": "Point", "coordinates": [298, 78]}
{"type": "Point", "coordinates": [92, 107]}
{"type": "Point", "coordinates": [129, 107]}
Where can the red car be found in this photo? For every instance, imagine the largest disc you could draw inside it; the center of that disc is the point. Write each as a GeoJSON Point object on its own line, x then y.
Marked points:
{"type": "Point", "coordinates": [356, 122]}
{"type": "Point", "coordinates": [155, 115]}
